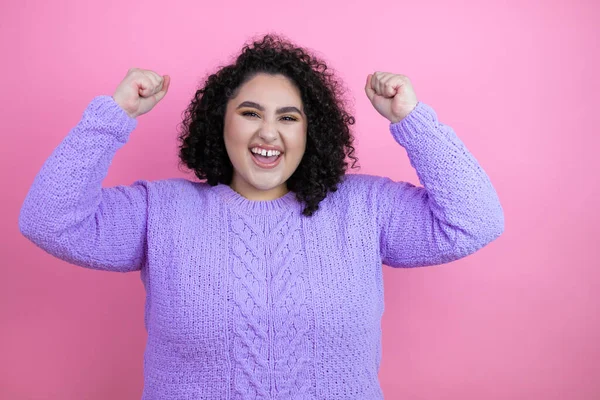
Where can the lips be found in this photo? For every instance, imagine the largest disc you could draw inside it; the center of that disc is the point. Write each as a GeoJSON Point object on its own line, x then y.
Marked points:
{"type": "Point", "coordinates": [266, 162]}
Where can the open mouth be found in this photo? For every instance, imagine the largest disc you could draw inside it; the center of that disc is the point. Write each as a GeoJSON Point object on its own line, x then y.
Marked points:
{"type": "Point", "coordinates": [266, 161]}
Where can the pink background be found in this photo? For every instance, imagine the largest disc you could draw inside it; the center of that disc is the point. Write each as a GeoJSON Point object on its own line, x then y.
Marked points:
{"type": "Point", "coordinates": [518, 81]}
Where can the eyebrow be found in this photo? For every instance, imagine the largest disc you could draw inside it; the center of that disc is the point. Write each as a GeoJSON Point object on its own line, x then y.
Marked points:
{"type": "Point", "coordinates": [281, 110]}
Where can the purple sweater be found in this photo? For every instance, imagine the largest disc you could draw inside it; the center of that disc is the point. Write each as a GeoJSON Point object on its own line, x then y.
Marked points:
{"type": "Point", "coordinates": [250, 299]}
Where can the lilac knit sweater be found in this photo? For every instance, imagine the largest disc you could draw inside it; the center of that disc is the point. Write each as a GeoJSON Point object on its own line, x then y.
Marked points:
{"type": "Point", "coordinates": [250, 299]}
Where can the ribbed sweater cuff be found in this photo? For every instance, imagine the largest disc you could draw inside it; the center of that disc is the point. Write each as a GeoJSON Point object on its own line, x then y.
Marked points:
{"type": "Point", "coordinates": [420, 121]}
{"type": "Point", "coordinates": [103, 112]}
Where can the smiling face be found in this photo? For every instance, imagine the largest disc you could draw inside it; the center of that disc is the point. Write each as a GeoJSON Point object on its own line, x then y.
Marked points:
{"type": "Point", "coordinates": [265, 136]}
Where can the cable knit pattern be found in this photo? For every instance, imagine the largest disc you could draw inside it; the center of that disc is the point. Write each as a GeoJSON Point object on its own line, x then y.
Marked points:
{"type": "Point", "coordinates": [269, 292]}
{"type": "Point", "coordinates": [251, 299]}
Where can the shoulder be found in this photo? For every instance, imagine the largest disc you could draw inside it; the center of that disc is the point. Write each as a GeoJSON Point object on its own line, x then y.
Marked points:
{"type": "Point", "coordinates": [174, 189]}
{"type": "Point", "coordinates": [368, 186]}
{"type": "Point", "coordinates": [371, 193]}
{"type": "Point", "coordinates": [355, 193]}
{"type": "Point", "coordinates": [360, 181]}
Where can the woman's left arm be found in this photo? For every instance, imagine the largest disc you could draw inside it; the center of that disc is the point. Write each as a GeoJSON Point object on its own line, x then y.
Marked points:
{"type": "Point", "coordinates": [456, 212]}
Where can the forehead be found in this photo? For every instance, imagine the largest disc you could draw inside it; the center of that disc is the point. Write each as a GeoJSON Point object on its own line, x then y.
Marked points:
{"type": "Point", "coordinates": [269, 89]}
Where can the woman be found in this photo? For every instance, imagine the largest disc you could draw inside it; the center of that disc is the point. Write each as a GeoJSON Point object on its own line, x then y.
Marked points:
{"type": "Point", "coordinates": [265, 281]}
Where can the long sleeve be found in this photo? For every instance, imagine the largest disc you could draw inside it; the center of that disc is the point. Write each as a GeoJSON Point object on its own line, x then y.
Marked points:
{"type": "Point", "coordinates": [457, 210]}
{"type": "Point", "coordinates": [68, 214]}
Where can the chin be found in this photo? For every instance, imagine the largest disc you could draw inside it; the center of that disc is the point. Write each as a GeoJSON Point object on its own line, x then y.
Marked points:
{"type": "Point", "coordinates": [265, 182]}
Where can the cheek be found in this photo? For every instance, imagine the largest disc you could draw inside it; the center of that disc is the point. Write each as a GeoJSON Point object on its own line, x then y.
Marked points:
{"type": "Point", "coordinates": [236, 135]}
{"type": "Point", "coordinates": [297, 143]}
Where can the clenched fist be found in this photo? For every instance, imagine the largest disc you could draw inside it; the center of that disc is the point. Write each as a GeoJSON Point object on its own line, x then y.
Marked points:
{"type": "Point", "coordinates": [140, 91]}
{"type": "Point", "coordinates": [392, 95]}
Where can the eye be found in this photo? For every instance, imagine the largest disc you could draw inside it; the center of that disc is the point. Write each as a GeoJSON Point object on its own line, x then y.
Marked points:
{"type": "Point", "coordinates": [249, 114]}
{"type": "Point", "coordinates": [289, 118]}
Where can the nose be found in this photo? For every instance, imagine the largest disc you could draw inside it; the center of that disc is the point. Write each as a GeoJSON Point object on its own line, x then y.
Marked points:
{"type": "Point", "coordinates": [268, 132]}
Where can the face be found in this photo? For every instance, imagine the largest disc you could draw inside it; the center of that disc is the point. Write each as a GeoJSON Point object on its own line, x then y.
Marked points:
{"type": "Point", "coordinates": [265, 136]}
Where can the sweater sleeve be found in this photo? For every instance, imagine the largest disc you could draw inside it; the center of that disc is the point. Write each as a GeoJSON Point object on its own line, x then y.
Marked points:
{"type": "Point", "coordinates": [69, 215]}
{"type": "Point", "coordinates": [457, 210]}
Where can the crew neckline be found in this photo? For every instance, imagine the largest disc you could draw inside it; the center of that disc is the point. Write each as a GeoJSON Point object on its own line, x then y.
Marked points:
{"type": "Point", "coordinates": [238, 202]}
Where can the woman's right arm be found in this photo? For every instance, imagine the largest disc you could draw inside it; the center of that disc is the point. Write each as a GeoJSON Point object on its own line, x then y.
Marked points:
{"type": "Point", "coordinates": [68, 214]}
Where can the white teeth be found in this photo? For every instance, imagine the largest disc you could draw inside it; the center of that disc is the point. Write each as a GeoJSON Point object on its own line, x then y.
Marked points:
{"type": "Point", "coordinates": [266, 153]}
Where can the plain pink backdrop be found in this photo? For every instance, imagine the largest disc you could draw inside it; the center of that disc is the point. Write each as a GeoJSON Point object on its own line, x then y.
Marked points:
{"type": "Point", "coordinates": [517, 80]}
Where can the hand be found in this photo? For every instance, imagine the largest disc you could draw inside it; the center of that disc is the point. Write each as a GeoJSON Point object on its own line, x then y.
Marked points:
{"type": "Point", "coordinates": [140, 91]}
{"type": "Point", "coordinates": [392, 95]}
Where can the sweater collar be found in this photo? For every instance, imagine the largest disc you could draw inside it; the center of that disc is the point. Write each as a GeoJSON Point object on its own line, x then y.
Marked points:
{"type": "Point", "coordinates": [238, 202]}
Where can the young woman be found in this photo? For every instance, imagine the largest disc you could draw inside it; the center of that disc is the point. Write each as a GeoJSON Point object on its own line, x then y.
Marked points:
{"type": "Point", "coordinates": [264, 281]}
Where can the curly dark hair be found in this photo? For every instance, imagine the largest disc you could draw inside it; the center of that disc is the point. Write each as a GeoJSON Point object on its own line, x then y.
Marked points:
{"type": "Point", "coordinates": [329, 139]}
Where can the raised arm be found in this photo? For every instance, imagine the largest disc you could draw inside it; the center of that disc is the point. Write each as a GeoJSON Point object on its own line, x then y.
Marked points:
{"type": "Point", "coordinates": [68, 214]}
{"type": "Point", "coordinates": [457, 210]}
